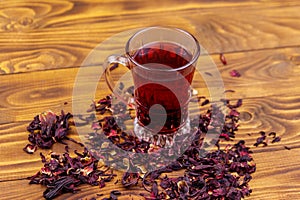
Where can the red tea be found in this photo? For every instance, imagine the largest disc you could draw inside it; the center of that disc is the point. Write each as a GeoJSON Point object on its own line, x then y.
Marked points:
{"type": "Point", "coordinates": [163, 78]}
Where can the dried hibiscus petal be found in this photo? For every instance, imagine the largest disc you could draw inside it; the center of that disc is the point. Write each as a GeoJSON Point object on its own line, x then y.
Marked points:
{"type": "Point", "coordinates": [48, 128]}
{"type": "Point", "coordinates": [63, 173]}
{"type": "Point", "coordinates": [30, 149]}
{"type": "Point", "coordinates": [262, 140]}
{"type": "Point", "coordinates": [219, 174]}
{"type": "Point", "coordinates": [273, 134]}
{"type": "Point", "coordinates": [130, 178]}
{"type": "Point", "coordinates": [276, 139]}
{"type": "Point", "coordinates": [114, 194]}
{"type": "Point", "coordinates": [234, 73]}
{"type": "Point", "coordinates": [223, 59]}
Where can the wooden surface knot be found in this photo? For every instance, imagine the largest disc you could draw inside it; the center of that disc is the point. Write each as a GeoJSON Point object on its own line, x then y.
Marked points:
{"type": "Point", "coordinates": [17, 19]}
{"type": "Point", "coordinates": [295, 59]}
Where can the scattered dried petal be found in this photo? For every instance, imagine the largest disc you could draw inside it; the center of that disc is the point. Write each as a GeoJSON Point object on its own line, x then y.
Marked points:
{"type": "Point", "coordinates": [204, 177]}
{"type": "Point", "coordinates": [223, 59]}
{"type": "Point", "coordinates": [130, 179]}
{"type": "Point", "coordinates": [273, 134]}
{"type": "Point", "coordinates": [63, 173]}
{"type": "Point", "coordinates": [234, 73]}
{"type": "Point", "coordinates": [227, 91]}
{"type": "Point", "coordinates": [276, 139]}
{"type": "Point", "coordinates": [49, 128]}
{"type": "Point", "coordinates": [207, 73]}
{"type": "Point", "coordinates": [30, 149]}
{"type": "Point", "coordinates": [287, 148]}
{"type": "Point", "coordinates": [205, 102]}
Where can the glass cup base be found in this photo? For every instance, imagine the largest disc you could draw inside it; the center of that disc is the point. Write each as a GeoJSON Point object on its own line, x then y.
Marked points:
{"type": "Point", "coordinates": [166, 140]}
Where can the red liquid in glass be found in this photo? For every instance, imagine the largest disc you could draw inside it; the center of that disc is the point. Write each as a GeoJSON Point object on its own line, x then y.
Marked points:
{"type": "Point", "coordinates": [162, 79]}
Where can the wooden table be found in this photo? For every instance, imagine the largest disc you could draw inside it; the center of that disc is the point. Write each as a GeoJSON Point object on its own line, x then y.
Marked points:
{"type": "Point", "coordinates": [43, 44]}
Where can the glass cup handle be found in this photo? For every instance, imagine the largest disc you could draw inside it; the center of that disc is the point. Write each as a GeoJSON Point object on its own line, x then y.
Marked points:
{"type": "Point", "coordinates": [112, 62]}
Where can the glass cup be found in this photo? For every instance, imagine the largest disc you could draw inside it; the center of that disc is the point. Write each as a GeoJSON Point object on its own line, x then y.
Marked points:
{"type": "Point", "coordinates": [162, 63]}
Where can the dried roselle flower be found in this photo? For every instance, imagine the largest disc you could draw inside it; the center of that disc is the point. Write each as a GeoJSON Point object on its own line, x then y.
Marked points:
{"type": "Point", "coordinates": [220, 174]}
{"type": "Point", "coordinates": [272, 134]}
{"type": "Point", "coordinates": [63, 173]}
{"type": "Point", "coordinates": [102, 106]}
{"type": "Point", "coordinates": [96, 126]}
{"type": "Point", "coordinates": [175, 166]}
{"type": "Point", "coordinates": [247, 178]}
{"type": "Point", "coordinates": [205, 102]}
{"type": "Point", "coordinates": [276, 139]}
{"type": "Point", "coordinates": [225, 136]}
{"type": "Point", "coordinates": [61, 185]}
{"type": "Point", "coordinates": [234, 73]}
{"type": "Point", "coordinates": [262, 133]}
{"type": "Point", "coordinates": [67, 148]}
{"type": "Point", "coordinates": [183, 187]}
{"type": "Point", "coordinates": [234, 113]}
{"type": "Point", "coordinates": [30, 149]}
{"type": "Point", "coordinates": [48, 128]}
{"type": "Point", "coordinates": [101, 183]}
{"type": "Point", "coordinates": [47, 118]}
{"type": "Point", "coordinates": [233, 106]}
{"type": "Point", "coordinates": [154, 190]}
{"type": "Point", "coordinates": [34, 125]}
{"type": "Point", "coordinates": [223, 59]}
{"type": "Point", "coordinates": [130, 179]}
{"type": "Point", "coordinates": [219, 192]}
{"type": "Point", "coordinates": [165, 183]}
{"type": "Point", "coordinates": [207, 73]}
{"type": "Point", "coordinates": [171, 193]}
{"type": "Point", "coordinates": [261, 140]}
{"type": "Point", "coordinates": [43, 158]}
{"type": "Point", "coordinates": [114, 194]}
{"type": "Point", "coordinates": [239, 103]}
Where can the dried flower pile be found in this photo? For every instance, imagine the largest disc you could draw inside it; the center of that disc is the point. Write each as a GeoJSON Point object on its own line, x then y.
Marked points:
{"type": "Point", "coordinates": [220, 174]}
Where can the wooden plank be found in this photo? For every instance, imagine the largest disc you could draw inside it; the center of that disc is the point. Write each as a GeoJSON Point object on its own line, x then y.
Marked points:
{"type": "Point", "coordinates": [35, 192]}
{"type": "Point", "coordinates": [26, 94]}
{"type": "Point", "coordinates": [276, 178]}
{"type": "Point", "coordinates": [275, 187]}
{"type": "Point", "coordinates": [61, 33]}
{"type": "Point", "coordinates": [282, 185]}
{"type": "Point", "coordinates": [15, 163]}
{"type": "Point", "coordinates": [260, 39]}
{"type": "Point", "coordinates": [271, 113]}
{"type": "Point", "coordinates": [277, 168]}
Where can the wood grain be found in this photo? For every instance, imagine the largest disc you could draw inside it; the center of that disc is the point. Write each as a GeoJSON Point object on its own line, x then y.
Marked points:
{"type": "Point", "coordinates": [273, 113]}
{"type": "Point", "coordinates": [274, 163]}
{"type": "Point", "coordinates": [270, 180]}
{"type": "Point", "coordinates": [42, 35]}
{"type": "Point", "coordinates": [34, 192]}
{"type": "Point", "coordinates": [15, 163]}
{"type": "Point", "coordinates": [277, 168]}
{"type": "Point", "coordinates": [27, 94]}
{"type": "Point", "coordinates": [43, 44]}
